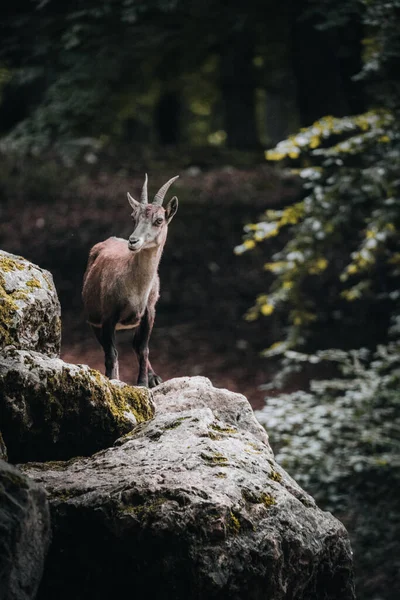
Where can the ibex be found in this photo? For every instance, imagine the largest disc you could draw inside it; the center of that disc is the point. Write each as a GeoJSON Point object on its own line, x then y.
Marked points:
{"type": "Point", "coordinates": [121, 283]}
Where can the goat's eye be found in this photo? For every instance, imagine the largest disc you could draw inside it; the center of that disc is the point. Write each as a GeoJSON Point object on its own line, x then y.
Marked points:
{"type": "Point", "coordinates": [158, 222]}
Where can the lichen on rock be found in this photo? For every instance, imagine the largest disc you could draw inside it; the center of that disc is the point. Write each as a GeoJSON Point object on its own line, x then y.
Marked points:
{"type": "Point", "coordinates": [54, 410]}
{"type": "Point", "coordinates": [29, 307]}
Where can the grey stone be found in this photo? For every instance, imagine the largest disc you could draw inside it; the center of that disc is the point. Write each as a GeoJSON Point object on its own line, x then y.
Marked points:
{"type": "Point", "coordinates": [183, 393]}
{"type": "Point", "coordinates": [54, 410]}
{"type": "Point", "coordinates": [3, 449]}
{"type": "Point", "coordinates": [24, 534]}
{"type": "Point", "coordinates": [29, 307]}
{"type": "Point", "coordinates": [190, 505]}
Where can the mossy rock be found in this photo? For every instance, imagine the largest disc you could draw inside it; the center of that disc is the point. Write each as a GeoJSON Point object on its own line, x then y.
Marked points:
{"type": "Point", "coordinates": [29, 307]}
{"type": "Point", "coordinates": [52, 410]}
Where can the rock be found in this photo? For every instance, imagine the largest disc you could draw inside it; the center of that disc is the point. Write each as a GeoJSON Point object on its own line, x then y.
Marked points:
{"type": "Point", "coordinates": [184, 393]}
{"type": "Point", "coordinates": [25, 534]}
{"type": "Point", "coordinates": [29, 307]}
{"type": "Point", "coordinates": [3, 449]}
{"type": "Point", "coordinates": [189, 505]}
{"type": "Point", "coordinates": [53, 410]}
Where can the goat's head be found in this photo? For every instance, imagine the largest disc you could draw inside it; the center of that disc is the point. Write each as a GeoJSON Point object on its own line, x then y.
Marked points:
{"type": "Point", "coordinates": [151, 220]}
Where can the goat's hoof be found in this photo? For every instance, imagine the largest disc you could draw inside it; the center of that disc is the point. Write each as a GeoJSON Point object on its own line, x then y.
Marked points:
{"type": "Point", "coordinates": [154, 380]}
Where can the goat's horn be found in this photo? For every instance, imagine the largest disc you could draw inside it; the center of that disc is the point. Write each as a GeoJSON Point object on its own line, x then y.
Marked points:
{"type": "Point", "coordinates": [159, 197]}
{"type": "Point", "coordinates": [144, 197]}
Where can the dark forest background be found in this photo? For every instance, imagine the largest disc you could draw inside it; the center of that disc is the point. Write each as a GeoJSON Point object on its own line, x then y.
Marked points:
{"type": "Point", "coordinates": [281, 119]}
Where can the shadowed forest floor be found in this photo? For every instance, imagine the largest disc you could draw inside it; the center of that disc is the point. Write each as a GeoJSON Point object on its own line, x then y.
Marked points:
{"type": "Point", "coordinates": [205, 288]}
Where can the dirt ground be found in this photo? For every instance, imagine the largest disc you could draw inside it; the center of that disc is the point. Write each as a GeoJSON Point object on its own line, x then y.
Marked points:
{"type": "Point", "coordinates": [205, 288]}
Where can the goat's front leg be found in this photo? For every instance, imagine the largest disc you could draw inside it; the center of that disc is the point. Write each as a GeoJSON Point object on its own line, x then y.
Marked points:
{"type": "Point", "coordinates": [154, 379]}
{"type": "Point", "coordinates": [107, 340]}
{"type": "Point", "coordinates": [146, 376]}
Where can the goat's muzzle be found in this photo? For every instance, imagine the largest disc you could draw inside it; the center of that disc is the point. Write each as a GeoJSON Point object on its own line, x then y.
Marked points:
{"type": "Point", "coordinates": [135, 244]}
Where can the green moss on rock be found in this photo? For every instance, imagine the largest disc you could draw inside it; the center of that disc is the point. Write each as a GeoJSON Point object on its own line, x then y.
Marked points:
{"type": "Point", "coordinates": [267, 499]}
{"type": "Point", "coordinates": [8, 307]}
{"type": "Point", "coordinates": [233, 523]}
{"type": "Point", "coordinates": [253, 448]}
{"type": "Point", "coordinates": [275, 476]}
{"type": "Point", "coordinates": [214, 459]}
{"type": "Point", "coordinates": [8, 264]}
{"type": "Point", "coordinates": [146, 510]}
{"type": "Point", "coordinates": [33, 283]}
{"type": "Point", "coordinates": [255, 498]}
{"type": "Point", "coordinates": [176, 423]}
{"type": "Point", "coordinates": [223, 429]}
{"type": "Point", "coordinates": [214, 436]}
{"type": "Point", "coordinates": [121, 398]}
{"type": "Point", "coordinates": [26, 311]}
{"type": "Point", "coordinates": [54, 410]}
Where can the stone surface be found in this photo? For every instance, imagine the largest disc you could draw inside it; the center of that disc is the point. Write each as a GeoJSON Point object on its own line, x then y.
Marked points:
{"type": "Point", "coordinates": [29, 307]}
{"type": "Point", "coordinates": [189, 505]}
{"type": "Point", "coordinates": [3, 449]}
{"type": "Point", "coordinates": [24, 534]}
{"type": "Point", "coordinates": [183, 393]}
{"type": "Point", "coordinates": [53, 410]}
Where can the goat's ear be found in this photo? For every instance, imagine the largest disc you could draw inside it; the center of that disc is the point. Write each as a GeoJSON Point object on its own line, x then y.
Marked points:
{"type": "Point", "coordinates": [171, 209]}
{"type": "Point", "coordinates": [134, 203]}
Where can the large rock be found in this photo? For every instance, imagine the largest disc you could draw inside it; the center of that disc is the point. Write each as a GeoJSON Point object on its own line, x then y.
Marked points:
{"type": "Point", "coordinates": [29, 307]}
{"type": "Point", "coordinates": [53, 410]}
{"type": "Point", "coordinates": [24, 534]}
{"type": "Point", "coordinates": [190, 505]}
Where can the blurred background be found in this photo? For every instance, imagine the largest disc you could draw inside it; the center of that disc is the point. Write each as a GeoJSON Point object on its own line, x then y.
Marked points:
{"type": "Point", "coordinates": [280, 276]}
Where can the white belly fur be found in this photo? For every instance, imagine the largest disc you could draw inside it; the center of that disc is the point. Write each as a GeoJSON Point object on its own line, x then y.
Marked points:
{"type": "Point", "coordinates": [118, 326]}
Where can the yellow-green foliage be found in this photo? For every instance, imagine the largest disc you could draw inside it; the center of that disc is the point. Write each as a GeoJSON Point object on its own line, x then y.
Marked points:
{"type": "Point", "coordinates": [358, 130]}
{"type": "Point", "coordinates": [344, 234]}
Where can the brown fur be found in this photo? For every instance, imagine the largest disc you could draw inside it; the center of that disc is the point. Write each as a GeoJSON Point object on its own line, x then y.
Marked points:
{"type": "Point", "coordinates": [121, 285]}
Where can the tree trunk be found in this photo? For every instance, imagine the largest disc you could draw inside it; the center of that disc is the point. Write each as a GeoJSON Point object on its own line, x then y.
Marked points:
{"type": "Point", "coordinates": [238, 92]}
{"type": "Point", "coordinates": [324, 65]}
{"type": "Point", "coordinates": [277, 121]}
{"type": "Point", "coordinates": [167, 118]}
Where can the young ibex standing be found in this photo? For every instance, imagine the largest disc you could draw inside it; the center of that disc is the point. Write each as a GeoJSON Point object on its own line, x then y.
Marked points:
{"type": "Point", "coordinates": [121, 283]}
